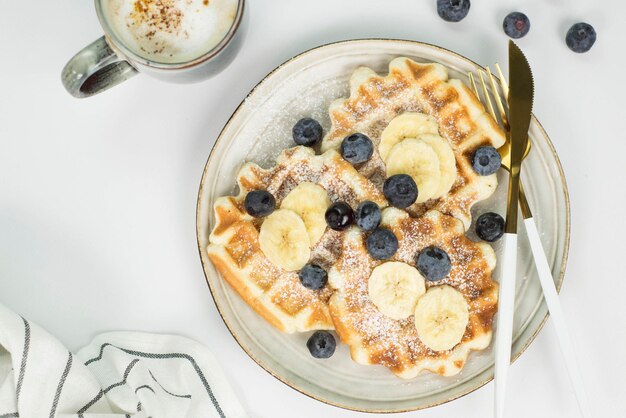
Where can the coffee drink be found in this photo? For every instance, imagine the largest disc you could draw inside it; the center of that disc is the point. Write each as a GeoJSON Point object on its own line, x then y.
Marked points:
{"type": "Point", "coordinates": [170, 31]}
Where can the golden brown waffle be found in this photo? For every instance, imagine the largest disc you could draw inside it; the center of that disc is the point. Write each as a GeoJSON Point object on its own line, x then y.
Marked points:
{"type": "Point", "coordinates": [414, 87]}
{"type": "Point", "coordinates": [377, 339]}
{"type": "Point", "coordinates": [274, 293]}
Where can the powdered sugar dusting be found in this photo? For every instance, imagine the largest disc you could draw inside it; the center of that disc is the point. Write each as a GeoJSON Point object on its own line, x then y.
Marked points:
{"type": "Point", "coordinates": [415, 87]}
{"type": "Point", "coordinates": [294, 166]}
{"type": "Point", "coordinates": [394, 343]}
{"type": "Point", "coordinates": [389, 342]}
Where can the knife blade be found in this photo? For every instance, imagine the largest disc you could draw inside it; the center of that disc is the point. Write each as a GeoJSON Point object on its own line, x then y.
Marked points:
{"type": "Point", "coordinates": [520, 100]}
{"type": "Point", "coordinates": [521, 92]}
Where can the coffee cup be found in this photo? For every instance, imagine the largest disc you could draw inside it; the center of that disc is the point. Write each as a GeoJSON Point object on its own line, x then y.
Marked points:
{"type": "Point", "coordinates": [180, 41]}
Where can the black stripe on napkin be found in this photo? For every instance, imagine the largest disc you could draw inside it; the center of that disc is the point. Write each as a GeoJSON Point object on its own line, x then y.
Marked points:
{"type": "Point", "coordinates": [167, 356]}
{"type": "Point", "coordinates": [165, 390]}
{"type": "Point", "coordinates": [57, 395]}
{"type": "Point", "coordinates": [144, 387]}
{"type": "Point", "coordinates": [20, 379]}
{"type": "Point", "coordinates": [100, 394]}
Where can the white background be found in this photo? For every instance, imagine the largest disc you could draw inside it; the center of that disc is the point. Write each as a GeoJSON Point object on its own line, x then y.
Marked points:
{"type": "Point", "coordinates": [97, 196]}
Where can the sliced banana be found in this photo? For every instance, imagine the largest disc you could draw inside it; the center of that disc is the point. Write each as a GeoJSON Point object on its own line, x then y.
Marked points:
{"type": "Point", "coordinates": [447, 162]}
{"type": "Point", "coordinates": [394, 288]}
{"type": "Point", "coordinates": [309, 201]}
{"type": "Point", "coordinates": [441, 317]}
{"type": "Point", "coordinates": [406, 125]}
{"type": "Point", "coordinates": [284, 240]}
{"type": "Point", "coordinates": [419, 160]}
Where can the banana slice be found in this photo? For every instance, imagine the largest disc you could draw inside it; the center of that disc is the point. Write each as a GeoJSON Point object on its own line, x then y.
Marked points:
{"type": "Point", "coordinates": [419, 160]}
{"type": "Point", "coordinates": [447, 162]}
{"type": "Point", "coordinates": [406, 125]}
{"type": "Point", "coordinates": [284, 240]}
{"type": "Point", "coordinates": [310, 202]}
{"type": "Point", "coordinates": [394, 288]}
{"type": "Point", "coordinates": [441, 316]}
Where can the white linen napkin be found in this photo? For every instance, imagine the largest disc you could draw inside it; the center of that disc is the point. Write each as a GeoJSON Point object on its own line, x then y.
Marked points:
{"type": "Point", "coordinates": [120, 374]}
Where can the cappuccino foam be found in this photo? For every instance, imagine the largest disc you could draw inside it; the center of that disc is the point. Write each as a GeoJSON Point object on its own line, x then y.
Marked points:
{"type": "Point", "coordinates": [170, 31]}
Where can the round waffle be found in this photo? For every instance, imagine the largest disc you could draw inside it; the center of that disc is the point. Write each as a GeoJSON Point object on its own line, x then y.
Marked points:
{"type": "Point", "coordinates": [378, 339]}
{"type": "Point", "coordinates": [234, 248]}
{"type": "Point", "coordinates": [415, 87]}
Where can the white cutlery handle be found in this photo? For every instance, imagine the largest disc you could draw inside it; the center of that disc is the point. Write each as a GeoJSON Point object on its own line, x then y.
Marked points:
{"type": "Point", "coordinates": [504, 330]}
{"type": "Point", "coordinates": [556, 314]}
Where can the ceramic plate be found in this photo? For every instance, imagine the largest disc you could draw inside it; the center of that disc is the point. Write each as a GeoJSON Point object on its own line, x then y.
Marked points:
{"type": "Point", "coordinates": [260, 129]}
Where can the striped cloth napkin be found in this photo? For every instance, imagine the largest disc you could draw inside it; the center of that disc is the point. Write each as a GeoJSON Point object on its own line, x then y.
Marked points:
{"type": "Point", "coordinates": [120, 374]}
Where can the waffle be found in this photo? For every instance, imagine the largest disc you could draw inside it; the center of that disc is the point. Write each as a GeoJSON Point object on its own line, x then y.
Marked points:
{"type": "Point", "coordinates": [277, 295]}
{"type": "Point", "coordinates": [377, 339]}
{"type": "Point", "coordinates": [414, 87]}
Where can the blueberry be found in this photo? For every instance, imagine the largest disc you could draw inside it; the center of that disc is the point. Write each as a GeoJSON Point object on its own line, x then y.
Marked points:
{"type": "Point", "coordinates": [307, 132]}
{"type": "Point", "coordinates": [490, 226]}
{"type": "Point", "coordinates": [434, 263]}
{"type": "Point", "coordinates": [321, 344]}
{"type": "Point", "coordinates": [357, 148]}
{"type": "Point", "coordinates": [381, 244]}
{"type": "Point", "coordinates": [339, 216]}
{"type": "Point", "coordinates": [313, 277]}
{"type": "Point", "coordinates": [260, 203]}
{"type": "Point", "coordinates": [486, 160]}
{"type": "Point", "coordinates": [516, 25]}
{"type": "Point", "coordinates": [580, 37]}
{"type": "Point", "coordinates": [367, 215]}
{"type": "Point", "coordinates": [400, 190]}
{"type": "Point", "coordinates": [453, 10]}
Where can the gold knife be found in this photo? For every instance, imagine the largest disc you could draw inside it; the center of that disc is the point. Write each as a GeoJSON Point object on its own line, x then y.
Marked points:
{"type": "Point", "coordinates": [521, 90]}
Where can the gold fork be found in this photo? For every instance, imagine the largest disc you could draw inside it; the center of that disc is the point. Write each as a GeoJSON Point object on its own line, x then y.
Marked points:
{"type": "Point", "coordinates": [504, 150]}
{"type": "Point", "coordinates": [541, 262]}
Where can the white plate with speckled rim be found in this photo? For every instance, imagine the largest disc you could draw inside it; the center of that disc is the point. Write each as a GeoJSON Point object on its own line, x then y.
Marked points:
{"type": "Point", "coordinates": [260, 129]}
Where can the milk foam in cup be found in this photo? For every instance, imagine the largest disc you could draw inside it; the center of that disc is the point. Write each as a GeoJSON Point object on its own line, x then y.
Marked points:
{"type": "Point", "coordinates": [170, 31]}
{"type": "Point", "coordinates": [176, 41]}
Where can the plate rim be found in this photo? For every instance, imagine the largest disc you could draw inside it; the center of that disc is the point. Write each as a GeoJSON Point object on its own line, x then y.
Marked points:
{"type": "Point", "coordinates": [217, 304]}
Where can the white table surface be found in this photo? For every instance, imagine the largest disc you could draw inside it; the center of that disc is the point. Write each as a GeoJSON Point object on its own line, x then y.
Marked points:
{"type": "Point", "coordinates": [97, 196]}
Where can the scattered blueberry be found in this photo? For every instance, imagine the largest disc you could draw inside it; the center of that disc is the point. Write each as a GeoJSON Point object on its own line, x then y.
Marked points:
{"type": "Point", "coordinates": [321, 344]}
{"type": "Point", "coordinates": [580, 37]}
{"type": "Point", "coordinates": [381, 244]}
{"type": "Point", "coordinates": [486, 160]}
{"type": "Point", "coordinates": [516, 25]}
{"type": "Point", "coordinates": [400, 190]}
{"type": "Point", "coordinates": [357, 148]}
{"type": "Point", "coordinates": [453, 10]}
{"type": "Point", "coordinates": [490, 226]}
{"type": "Point", "coordinates": [367, 215]}
{"type": "Point", "coordinates": [434, 263]}
{"type": "Point", "coordinates": [339, 216]}
{"type": "Point", "coordinates": [307, 132]}
{"type": "Point", "coordinates": [260, 203]}
{"type": "Point", "coordinates": [313, 277]}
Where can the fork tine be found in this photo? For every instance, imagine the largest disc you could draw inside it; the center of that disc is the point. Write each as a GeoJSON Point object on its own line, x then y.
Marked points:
{"type": "Point", "coordinates": [486, 93]}
{"type": "Point", "coordinates": [498, 100]}
{"type": "Point", "coordinates": [503, 84]}
{"type": "Point", "coordinates": [473, 84]}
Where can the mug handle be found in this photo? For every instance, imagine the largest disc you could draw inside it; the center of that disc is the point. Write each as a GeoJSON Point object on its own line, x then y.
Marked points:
{"type": "Point", "coordinates": [95, 69]}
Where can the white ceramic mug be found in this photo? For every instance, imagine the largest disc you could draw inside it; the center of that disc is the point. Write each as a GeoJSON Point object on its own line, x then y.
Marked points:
{"type": "Point", "coordinates": [108, 61]}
